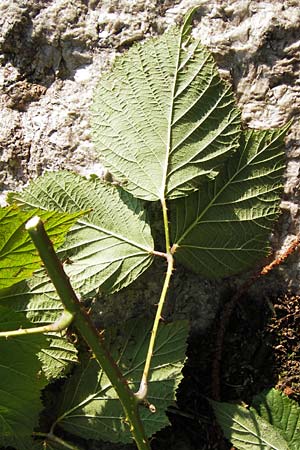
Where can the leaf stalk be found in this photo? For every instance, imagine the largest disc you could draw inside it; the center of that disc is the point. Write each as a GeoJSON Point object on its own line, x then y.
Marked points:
{"type": "Point", "coordinates": [141, 394]}
{"type": "Point", "coordinates": [62, 323]}
{"type": "Point", "coordinates": [166, 224]}
{"type": "Point", "coordinates": [57, 440]}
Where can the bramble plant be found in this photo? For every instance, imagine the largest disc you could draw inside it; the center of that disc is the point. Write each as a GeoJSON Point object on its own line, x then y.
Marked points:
{"type": "Point", "coordinates": [166, 127]}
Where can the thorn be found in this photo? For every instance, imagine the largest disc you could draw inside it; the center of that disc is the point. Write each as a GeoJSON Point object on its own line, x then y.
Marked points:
{"type": "Point", "coordinates": [152, 408]}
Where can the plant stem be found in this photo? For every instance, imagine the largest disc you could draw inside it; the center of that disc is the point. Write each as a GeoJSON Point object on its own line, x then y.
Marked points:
{"type": "Point", "coordinates": [166, 223]}
{"type": "Point", "coordinates": [53, 438]}
{"type": "Point", "coordinates": [141, 394]}
{"type": "Point", "coordinates": [87, 329]}
{"type": "Point", "coordinates": [59, 325]}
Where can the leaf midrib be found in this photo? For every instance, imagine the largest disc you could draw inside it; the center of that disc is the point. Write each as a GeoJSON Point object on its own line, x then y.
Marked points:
{"type": "Point", "coordinates": [170, 122]}
{"type": "Point", "coordinates": [97, 227]}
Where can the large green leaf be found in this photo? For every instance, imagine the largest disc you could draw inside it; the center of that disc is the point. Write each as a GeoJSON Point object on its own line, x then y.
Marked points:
{"type": "Point", "coordinates": [112, 245]}
{"type": "Point", "coordinates": [37, 299]}
{"type": "Point", "coordinates": [247, 430]}
{"type": "Point", "coordinates": [163, 119]}
{"type": "Point", "coordinates": [21, 381]}
{"type": "Point", "coordinates": [90, 406]}
{"type": "Point", "coordinates": [18, 255]}
{"type": "Point", "coordinates": [223, 228]}
{"type": "Point", "coordinates": [281, 412]}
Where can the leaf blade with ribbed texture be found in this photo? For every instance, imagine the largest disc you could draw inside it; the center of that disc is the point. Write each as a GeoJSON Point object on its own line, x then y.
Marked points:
{"type": "Point", "coordinates": [90, 405]}
{"type": "Point", "coordinates": [246, 430]}
{"type": "Point", "coordinates": [224, 228]}
{"type": "Point", "coordinates": [281, 412]}
{"type": "Point", "coordinates": [21, 382]}
{"type": "Point", "coordinates": [111, 246]}
{"type": "Point", "coordinates": [18, 255]}
{"type": "Point", "coordinates": [163, 121]}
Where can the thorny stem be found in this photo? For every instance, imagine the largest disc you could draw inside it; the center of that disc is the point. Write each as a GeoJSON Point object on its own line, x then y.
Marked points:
{"type": "Point", "coordinates": [87, 329]}
{"type": "Point", "coordinates": [166, 224]}
{"type": "Point", "coordinates": [141, 394]}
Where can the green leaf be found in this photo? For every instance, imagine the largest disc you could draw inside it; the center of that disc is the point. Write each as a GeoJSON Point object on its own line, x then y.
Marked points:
{"type": "Point", "coordinates": [111, 246]}
{"type": "Point", "coordinates": [57, 357]}
{"type": "Point", "coordinates": [90, 406]}
{"type": "Point", "coordinates": [18, 255]}
{"type": "Point", "coordinates": [247, 430]}
{"type": "Point", "coordinates": [21, 381]}
{"type": "Point", "coordinates": [223, 228]}
{"type": "Point", "coordinates": [281, 412]}
{"type": "Point", "coordinates": [38, 300]}
{"type": "Point", "coordinates": [163, 120]}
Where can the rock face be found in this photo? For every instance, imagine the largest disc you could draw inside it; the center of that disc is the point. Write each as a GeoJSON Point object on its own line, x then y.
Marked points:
{"type": "Point", "coordinates": [52, 53]}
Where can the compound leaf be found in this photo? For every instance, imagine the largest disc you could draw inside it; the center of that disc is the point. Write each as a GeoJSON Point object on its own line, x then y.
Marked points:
{"type": "Point", "coordinates": [281, 412]}
{"type": "Point", "coordinates": [111, 246]}
{"type": "Point", "coordinates": [223, 228]}
{"type": "Point", "coordinates": [90, 405]}
{"type": "Point", "coordinates": [246, 430]}
{"type": "Point", "coordinates": [21, 382]}
{"type": "Point", "coordinates": [163, 120]}
{"type": "Point", "coordinates": [18, 255]}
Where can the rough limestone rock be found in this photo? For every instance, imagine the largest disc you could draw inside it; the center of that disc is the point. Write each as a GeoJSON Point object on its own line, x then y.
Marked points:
{"type": "Point", "coordinates": [52, 54]}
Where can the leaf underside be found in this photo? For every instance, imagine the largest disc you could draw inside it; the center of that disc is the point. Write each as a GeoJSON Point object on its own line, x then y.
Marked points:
{"type": "Point", "coordinates": [111, 246]}
{"type": "Point", "coordinates": [90, 405]}
{"type": "Point", "coordinates": [247, 430]}
{"type": "Point", "coordinates": [223, 228]}
{"type": "Point", "coordinates": [21, 383]}
{"type": "Point", "coordinates": [281, 412]}
{"type": "Point", "coordinates": [163, 120]}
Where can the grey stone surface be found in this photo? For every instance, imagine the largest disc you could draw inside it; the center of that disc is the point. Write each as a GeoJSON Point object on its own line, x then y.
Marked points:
{"type": "Point", "coordinates": [52, 54]}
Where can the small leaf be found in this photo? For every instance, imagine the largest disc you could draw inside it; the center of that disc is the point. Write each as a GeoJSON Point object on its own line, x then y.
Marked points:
{"type": "Point", "coordinates": [18, 255]}
{"type": "Point", "coordinates": [247, 430]}
{"type": "Point", "coordinates": [224, 227]}
{"type": "Point", "coordinates": [281, 412]}
{"type": "Point", "coordinates": [163, 119]}
{"type": "Point", "coordinates": [21, 381]}
{"type": "Point", "coordinates": [111, 246]}
{"type": "Point", "coordinates": [90, 405]}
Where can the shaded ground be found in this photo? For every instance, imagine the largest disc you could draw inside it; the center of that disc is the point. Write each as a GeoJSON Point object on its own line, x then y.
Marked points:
{"type": "Point", "coordinates": [261, 350]}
